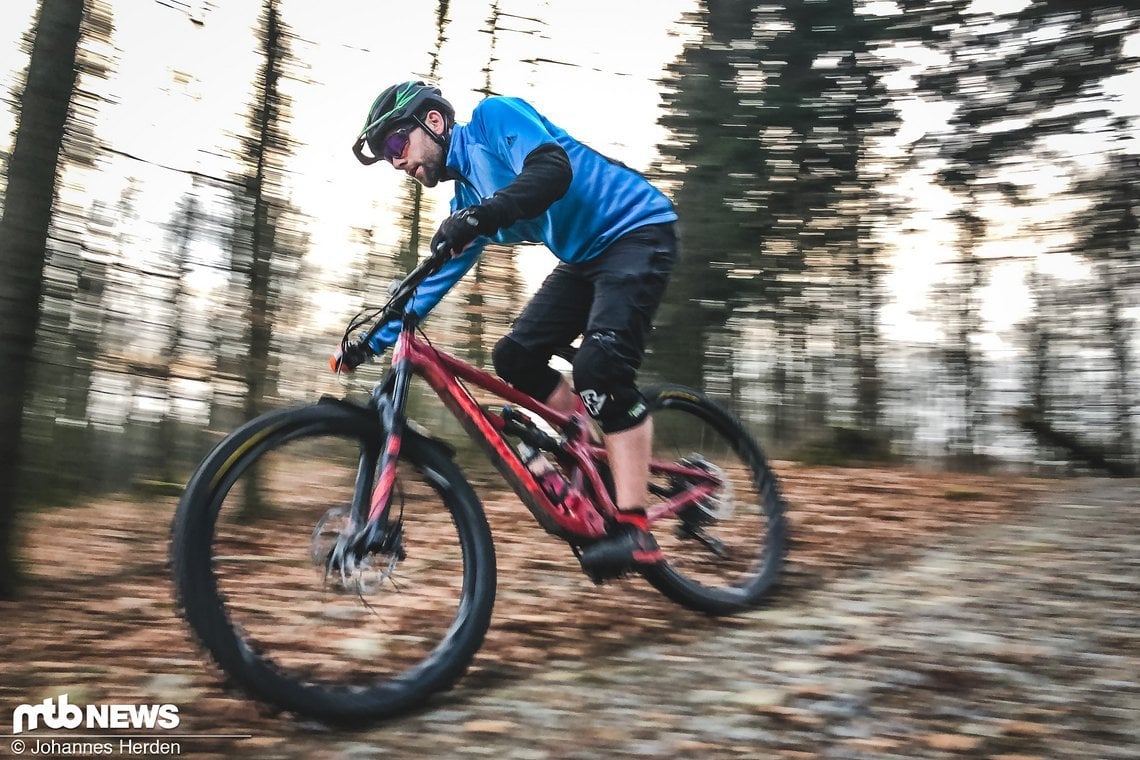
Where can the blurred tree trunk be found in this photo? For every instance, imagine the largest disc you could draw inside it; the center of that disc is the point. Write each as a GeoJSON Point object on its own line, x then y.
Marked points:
{"type": "Point", "coordinates": [475, 314]}
{"type": "Point", "coordinates": [1088, 319]}
{"type": "Point", "coordinates": [1110, 241]}
{"type": "Point", "coordinates": [1038, 339]}
{"type": "Point", "coordinates": [493, 278]}
{"type": "Point", "coordinates": [56, 437]}
{"type": "Point", "coordinates": [960, 302]}
{"type": "Point", "coordinates": [260, 313]}
{"type": "Point", "coordinates": [717, 164]}
{"type": "Point", "coordinates": [413, 216]}
{"type": "Point", "coordinates": [23, 239]}
{"type": "Point", "coordinates": [182, 230]}
{"type": "Point", "coordinates": [265, 146]}
{"type": "Point", "coordinates": [833, 103]}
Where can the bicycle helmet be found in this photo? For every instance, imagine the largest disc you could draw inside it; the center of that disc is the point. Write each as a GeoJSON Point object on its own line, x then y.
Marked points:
{"type": "Point", "coordinates": [399, 103]}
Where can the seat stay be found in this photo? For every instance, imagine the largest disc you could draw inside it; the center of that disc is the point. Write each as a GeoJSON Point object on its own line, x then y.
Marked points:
{"type": "Point", "coordinates": [702, 484]}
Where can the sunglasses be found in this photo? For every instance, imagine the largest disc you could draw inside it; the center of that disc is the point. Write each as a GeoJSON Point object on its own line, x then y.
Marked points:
{"type": "Point", "coordinates": [395, 144]}
{"type": "Point", "coordinates": [393, 147]}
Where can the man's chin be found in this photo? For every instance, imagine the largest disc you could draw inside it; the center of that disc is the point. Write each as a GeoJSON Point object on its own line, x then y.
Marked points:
{"type": "Point", "coordinates": [427, 176]}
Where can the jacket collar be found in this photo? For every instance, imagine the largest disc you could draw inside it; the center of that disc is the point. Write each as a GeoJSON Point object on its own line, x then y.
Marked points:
{"type": "Point", "coordinates": [455, 161]}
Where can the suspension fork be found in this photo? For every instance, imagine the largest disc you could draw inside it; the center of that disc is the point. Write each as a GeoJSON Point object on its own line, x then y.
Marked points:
{"type": "Point", "coordinates": [390, 400]}
{"type": "Point", "coordinates": [373, 530]}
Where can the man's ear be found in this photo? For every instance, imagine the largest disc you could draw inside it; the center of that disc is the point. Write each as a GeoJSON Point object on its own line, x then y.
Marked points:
{"type": "Point", "coordinates": [436, 122]}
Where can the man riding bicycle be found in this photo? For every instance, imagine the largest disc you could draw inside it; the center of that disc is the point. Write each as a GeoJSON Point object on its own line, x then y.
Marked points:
{"type": "Point", "coordinates": [520, 178]}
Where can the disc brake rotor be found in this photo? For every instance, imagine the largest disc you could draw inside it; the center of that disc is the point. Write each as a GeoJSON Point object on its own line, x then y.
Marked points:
{"type": "Point", "coordinates": [719, 504]}
{"type": "Point", "coordinates": [348, 572]}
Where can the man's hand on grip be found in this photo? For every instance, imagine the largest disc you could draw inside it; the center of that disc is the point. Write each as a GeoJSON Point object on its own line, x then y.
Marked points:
{"type": "Point", "coordinates": [461, 228]}
{"type": "Point", "coordinates": [348, 357]}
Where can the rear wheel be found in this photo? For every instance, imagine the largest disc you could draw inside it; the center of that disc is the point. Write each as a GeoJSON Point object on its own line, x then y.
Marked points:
{"type": "Point", "coordinates": [724, 553]}
{"type": "Point", "coordinates": [248, 546]}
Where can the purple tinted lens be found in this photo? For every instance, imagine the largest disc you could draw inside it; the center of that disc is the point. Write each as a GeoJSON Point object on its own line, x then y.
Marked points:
{"type": "Point", "coordinates": [395, 145]}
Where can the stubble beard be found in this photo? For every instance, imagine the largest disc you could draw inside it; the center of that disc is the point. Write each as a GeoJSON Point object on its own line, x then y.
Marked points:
{"type": "Point", "coordinates": [433, 168]}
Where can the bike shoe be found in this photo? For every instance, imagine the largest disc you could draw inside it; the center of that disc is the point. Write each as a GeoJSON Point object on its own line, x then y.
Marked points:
{"type": "Point", "coordinates": [628, 547]}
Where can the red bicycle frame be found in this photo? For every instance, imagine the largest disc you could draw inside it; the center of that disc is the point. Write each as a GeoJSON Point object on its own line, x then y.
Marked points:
{"type": "Point", "coordinates": [578, 520]}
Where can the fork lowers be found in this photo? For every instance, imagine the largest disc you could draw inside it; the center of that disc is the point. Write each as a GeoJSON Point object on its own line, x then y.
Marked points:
{"type": "Point", "coordinates": [351, 551]}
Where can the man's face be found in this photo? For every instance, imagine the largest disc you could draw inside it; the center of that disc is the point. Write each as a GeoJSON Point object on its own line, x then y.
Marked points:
{"type": "Point", "coordinates": [423, 158]}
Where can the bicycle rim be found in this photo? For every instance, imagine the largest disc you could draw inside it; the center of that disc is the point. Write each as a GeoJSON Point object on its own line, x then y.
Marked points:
{"type": "Point", "coordinates": [724, 554]}
{"type": "Point", "coordinates": [343, 648]}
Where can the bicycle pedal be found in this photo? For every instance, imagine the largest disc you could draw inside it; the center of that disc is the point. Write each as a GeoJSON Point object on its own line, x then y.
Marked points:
{"type": "Point", "coordinates": [604, 576]}
{"type": "Point", "coordinates": [601, 579]}
{"type": "Point", "coordinates": [596, 578]}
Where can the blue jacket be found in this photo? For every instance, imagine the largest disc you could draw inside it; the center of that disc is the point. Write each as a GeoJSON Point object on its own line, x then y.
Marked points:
{"type": "Point", "coordinates": [605, 199]}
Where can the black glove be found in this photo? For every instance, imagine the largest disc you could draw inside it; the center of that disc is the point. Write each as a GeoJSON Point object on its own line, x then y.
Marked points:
{"type": "Point", "coordinates": [461, 228]}
{"type": "Point", "coordinates": [349, 357]}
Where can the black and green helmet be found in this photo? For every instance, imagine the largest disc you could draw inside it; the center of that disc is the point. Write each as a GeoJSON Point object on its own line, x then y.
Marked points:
{"type": "Point", "coordinates": [399, 103]}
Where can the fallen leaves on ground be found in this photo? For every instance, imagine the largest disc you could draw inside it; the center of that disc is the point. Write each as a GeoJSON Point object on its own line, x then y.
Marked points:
{"type": "Point", "coordinates": [99, 623]}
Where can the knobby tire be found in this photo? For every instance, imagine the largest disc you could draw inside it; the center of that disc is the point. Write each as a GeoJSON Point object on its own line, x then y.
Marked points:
{"type": "Point", "coordinates": [756, 535]}
{"type": "Point", "coordinates": [251, 664]}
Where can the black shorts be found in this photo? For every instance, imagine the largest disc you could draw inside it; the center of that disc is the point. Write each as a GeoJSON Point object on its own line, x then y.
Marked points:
{"type": "Point", "coordinates": [616, 293]}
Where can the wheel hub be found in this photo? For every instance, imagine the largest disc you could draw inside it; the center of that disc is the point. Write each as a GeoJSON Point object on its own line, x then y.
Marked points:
{"type": "Point", "coordinates": [718, 505]}
{"type": "Point", "coordinates": [357, 562]}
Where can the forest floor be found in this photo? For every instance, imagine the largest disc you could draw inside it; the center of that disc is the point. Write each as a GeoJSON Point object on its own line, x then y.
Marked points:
{"type": "Point", "coordinates": [922, 615]}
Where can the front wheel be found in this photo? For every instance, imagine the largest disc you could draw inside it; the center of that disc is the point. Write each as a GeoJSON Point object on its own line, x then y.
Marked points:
{"type": "Point", "coordinates": [724, 553]}
{"type": "Point", "coordinates": [247, 552]}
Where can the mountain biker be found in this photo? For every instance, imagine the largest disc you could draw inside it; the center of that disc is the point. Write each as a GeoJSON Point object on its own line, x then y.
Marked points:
{"type": "Point", "coordinates": [520, 178]}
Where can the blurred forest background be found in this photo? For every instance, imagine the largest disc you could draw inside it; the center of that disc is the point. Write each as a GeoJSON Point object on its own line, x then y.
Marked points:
{"type": "Point", "coordinates": [909, 227]}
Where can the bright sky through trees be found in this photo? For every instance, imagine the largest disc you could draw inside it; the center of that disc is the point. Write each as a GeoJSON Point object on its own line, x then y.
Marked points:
{"type": "Point", "coordinates": [183, 73]}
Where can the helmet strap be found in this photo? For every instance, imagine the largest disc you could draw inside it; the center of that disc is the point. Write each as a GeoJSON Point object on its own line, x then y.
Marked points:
{"type": "Point", "coordinates": [440, 140]}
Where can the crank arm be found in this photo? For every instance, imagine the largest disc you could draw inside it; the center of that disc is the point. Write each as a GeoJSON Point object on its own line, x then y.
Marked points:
{"type": "Point", "coordinates": [697, 533]}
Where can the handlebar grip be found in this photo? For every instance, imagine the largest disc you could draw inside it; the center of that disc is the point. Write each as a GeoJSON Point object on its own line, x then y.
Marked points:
{"type": "Point", "coordinates": [438, 257]}
{"type": "Point", "coordinates": [348, 357]}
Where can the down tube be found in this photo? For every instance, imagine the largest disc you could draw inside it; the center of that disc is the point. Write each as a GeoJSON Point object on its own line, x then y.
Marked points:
{"type": "Point", "coordinates": [461, 404]}
{"type": "Point", "coordinates": [583, 453]}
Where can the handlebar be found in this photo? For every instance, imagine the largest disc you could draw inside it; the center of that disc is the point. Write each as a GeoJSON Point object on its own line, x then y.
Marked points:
{"type": "Point", "coordinates": [354, 353]}
{"type": "Point", "coordinates": [403, 292]}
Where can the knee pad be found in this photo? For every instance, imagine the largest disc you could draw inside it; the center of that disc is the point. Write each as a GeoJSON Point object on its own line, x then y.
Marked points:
{"type": "Point", "coordinates": [604, 379]}
{"type": "Point", "coordinates": [526, 370]}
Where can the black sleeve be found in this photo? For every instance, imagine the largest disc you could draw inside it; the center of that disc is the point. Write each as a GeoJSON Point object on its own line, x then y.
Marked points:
{"type": "Point", "coordinates": [545, 177]}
